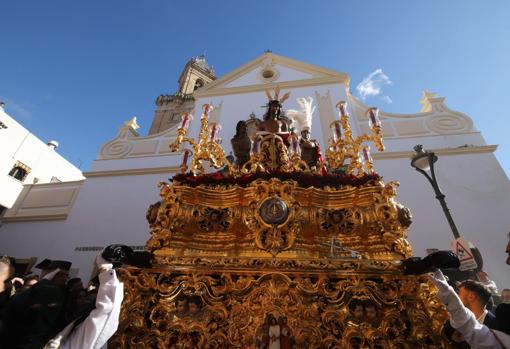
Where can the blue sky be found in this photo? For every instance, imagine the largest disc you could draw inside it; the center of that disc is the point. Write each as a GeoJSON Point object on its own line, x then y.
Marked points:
{"type": "Point", "coordinates": [75, 70]}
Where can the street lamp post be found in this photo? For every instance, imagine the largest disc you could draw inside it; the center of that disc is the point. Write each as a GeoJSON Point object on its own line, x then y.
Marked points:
{"type": "Point", "coordinates": [423, 161]}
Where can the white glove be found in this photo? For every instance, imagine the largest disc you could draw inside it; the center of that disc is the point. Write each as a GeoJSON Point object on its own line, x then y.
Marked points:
{"type": "Point", "coordinates": [103, 264]}
{"type": "Point", "coordinates": [446, 292]}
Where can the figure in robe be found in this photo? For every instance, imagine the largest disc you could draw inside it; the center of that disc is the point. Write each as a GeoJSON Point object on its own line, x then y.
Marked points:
{"type": "Point", "coordinates": [241, 144]}
{"type": "Point", "coordinates": [310, 149]}
{"type": "Point", "coordinates": [285, 333]}
{"type": "Point", "coordinates": [272, 138]}
{"type": "Point", "coordinates": [274, 334]}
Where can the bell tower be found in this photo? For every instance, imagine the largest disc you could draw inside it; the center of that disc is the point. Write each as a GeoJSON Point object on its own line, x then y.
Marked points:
{"type": "Point", "coordinates": [196, 74]}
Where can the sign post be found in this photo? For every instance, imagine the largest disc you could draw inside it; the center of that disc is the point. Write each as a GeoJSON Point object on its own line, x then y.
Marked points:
{"type": "Point", "coordinates": [462, 248]}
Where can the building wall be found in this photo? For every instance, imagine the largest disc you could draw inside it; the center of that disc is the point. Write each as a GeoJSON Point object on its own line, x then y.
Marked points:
{"type": "Point", "coordinates": [18, 144]}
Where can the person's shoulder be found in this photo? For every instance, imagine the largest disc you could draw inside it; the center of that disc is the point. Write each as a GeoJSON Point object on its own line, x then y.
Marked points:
{"type": "Point", "coordinates": [490, 320]}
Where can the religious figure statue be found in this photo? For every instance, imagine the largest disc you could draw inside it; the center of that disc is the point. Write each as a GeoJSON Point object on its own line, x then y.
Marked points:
{"type": "Point", "coordinates": [272, 137]}
{"type": "Point", "coordinates": [273, 119]}
{"type": "Point", "coordinates": [241, 144]}
{"type": "Point", "coordinates": [285, 333]}
{"type": "Point", "coordinates": [302, 122]}
{"type": "Point", "coordinates": [310, 149]}
{"type": "Point", "coordinates": [274, 333]}
{"type": "Point", "coordinates": [302, 118]}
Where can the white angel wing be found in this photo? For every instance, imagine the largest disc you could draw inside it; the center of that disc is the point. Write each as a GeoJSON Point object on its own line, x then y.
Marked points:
{"type": "Point", "coordinates": [297, 118]}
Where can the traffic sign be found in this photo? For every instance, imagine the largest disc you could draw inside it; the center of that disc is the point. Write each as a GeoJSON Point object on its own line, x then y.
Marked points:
{"type": "Point", "coordinates": [462, 248]}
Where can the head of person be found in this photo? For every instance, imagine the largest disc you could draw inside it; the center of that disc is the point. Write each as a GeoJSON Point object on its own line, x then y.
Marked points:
{"type": "Point", "coordinates": [473, 294]}
{"type": "Point", "coordinates": [5, 270]}
{"type": "Point", "coordinates": [241, 128]}
{"type": "Point", "coordinates": [505, 295]}
{"type": "Point", "coordinates": [181, 305]}
{"type": "Point", "coordinates": [483, 276]}
{"type": "Point", "coordinates": [305, 134]}
{"type": "Point", "coordinates": [61, 276]}
{"type": "Point", "coordinates": [273, 110]}
{"type": "Point", "coordinates": [195, 304]}
{"type": "Point", "coordinates": [370, 311]}
{"type": "Point", "coordinates": [357, 309]}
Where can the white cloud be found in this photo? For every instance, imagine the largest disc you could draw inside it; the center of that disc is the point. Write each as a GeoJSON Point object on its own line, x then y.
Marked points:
{"type": "Point", "coordinates": [371, 86]}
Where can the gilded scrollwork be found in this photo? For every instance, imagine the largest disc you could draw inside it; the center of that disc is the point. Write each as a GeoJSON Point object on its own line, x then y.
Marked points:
{"type": "Point", "coordinates": [273, 254]}
{"type": "Point", "coordinates": [199, 309]}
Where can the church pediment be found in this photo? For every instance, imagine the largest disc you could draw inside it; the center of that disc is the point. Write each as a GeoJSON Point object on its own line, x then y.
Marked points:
{"type": "Point", "coordinates": [267, 71]}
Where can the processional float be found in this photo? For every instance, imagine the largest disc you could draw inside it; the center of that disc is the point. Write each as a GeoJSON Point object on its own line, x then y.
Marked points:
{"type": "Point", "coordinates": [272, 251]}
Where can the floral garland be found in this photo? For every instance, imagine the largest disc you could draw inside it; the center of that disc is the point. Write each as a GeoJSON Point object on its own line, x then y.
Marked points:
{"type": "Point", "coordinates": [303, 179]}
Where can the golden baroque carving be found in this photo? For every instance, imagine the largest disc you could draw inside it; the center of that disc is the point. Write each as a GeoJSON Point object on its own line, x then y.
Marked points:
{"type": "Point", "coordinates": [199, 309]}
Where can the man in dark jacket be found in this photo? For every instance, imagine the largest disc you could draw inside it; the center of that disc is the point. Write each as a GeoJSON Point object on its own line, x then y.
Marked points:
{"type": "Point", "coordinates": [475, 296]}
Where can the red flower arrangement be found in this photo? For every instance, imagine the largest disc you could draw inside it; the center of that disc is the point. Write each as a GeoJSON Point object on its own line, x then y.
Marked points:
{"type": "Point", "coordinates": [303, 179]}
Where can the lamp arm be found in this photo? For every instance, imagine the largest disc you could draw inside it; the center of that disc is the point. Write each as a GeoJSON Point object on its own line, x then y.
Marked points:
{"type": "Point", "coordinates": [426, 176]}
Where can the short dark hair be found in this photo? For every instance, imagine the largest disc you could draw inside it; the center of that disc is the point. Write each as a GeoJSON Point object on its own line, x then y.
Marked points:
{"type": "Point", "coordinates": [482, 293]}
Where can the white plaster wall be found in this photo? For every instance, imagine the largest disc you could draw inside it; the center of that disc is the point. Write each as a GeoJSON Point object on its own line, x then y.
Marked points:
{"type": "Point", "coordinates": [18, 144]}
{"type": "Point", "coordinates": [107, 210]}
{"type": "Point", "coordinates": [478, 194]}
{"type": "Point", "coordinates": [284, 74]}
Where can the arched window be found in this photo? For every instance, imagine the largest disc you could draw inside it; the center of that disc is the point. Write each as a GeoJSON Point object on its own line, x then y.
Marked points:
{"type": "Point", "coordinates": [199, 83]}
{"type": "Point", "coordinates": [19, 171]}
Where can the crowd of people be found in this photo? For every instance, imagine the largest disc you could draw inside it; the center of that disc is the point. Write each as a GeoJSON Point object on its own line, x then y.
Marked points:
{"type": "Point", "coordinates": [52, 311]}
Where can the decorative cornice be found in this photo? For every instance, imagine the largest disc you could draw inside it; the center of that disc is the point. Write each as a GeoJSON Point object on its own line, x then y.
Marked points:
{"type": "Point", "coordinates": [440, 151]}
{"type": "Point", "coordinates": [217, 87]}
{"type": "Point", "coordinates": [133, 172]}
{"type": "Point", "coordinates": [283, 85]}
{"type": "Point", "coordinates": [49, 217]}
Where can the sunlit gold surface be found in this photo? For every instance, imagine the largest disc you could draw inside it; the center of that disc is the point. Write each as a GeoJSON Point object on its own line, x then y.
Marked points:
{"type": "Point", "coordinates": [325, 262]}
{"type": "Point", "coordinates": [318, 308]}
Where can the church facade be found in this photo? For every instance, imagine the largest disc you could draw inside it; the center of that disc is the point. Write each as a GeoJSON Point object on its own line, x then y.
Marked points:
{"type": "Point", "coordinates": [110, 205]}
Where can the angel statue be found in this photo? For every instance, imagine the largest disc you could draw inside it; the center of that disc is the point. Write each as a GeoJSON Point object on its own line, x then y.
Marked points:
{"type": "Point", "coordinates": [301, 118]}
{"type": "Point", "coordinates": [302, 123]}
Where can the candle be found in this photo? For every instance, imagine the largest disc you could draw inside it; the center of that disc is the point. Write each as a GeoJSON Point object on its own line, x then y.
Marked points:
{"type": "Point", "coordinates": [342, 107]}
{"type": "Point", "coordinates": [294, 146]}
{"type": "Point", "coordinates": [214, 129]}
{"type": "Point", "coordinates": [186, 120]}
{"type": "Point", "coordinates": [185, 158]}
{"type": "Point", "coordinates": [256, 146]}
{"type": "Point", "coordinates": [373, 117]}
{"type": "Point", "coordinates": [336, 127]}
{"type": "Point", "coordinates": [366, 154]}
{"type": "Point", "coordinates": [207, 108]}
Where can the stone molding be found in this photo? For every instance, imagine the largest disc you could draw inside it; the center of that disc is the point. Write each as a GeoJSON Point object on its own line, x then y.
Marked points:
{"type": "Point", "coordinates": [435, 118]}
{"type": "Point", "coordinates": [38, 202]}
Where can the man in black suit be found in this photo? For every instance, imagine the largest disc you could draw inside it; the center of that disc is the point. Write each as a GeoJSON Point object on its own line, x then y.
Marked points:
{"type": "Point", "coordinates": [475, 296]}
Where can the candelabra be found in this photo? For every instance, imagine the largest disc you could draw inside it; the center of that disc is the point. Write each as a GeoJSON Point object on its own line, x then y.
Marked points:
{"type": "Point", "coordinates": [205, 148]}
{"type": "Point", "coordinates": [343, 146]}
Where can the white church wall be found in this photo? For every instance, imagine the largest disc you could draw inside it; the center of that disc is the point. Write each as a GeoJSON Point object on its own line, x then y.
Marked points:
{"type": "Point", "coordinates": [478, 194]}
{"type": "Point", "coordinates": [109, 209]}
{"type": "Point", "coordinates": [42, 160]}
